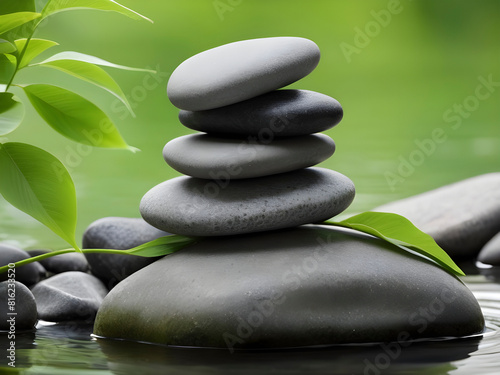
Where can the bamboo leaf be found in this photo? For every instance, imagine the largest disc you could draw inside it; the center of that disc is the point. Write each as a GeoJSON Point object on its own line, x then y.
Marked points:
{"type": "Point", "coordinates": [161, 246]}
{"type": "Point", "coordinates": [35, 47]}
{"type": "Point", "coordinates": [13, 20]}
{"type": "Point", "coordinates": [401, 232]}
{"type": "Point", "coordinates": [90, 73]}
{"type": "Point", "coordinates": [7, 68]}
{"type": "Point", "coordinates": [74, 116]}
{"type": "Point", "coordinates": [70, 55]}
{"type": "Point", "coordinates": [38, 184]}
{"type": "Point", "coordinates": [56, 6]}
{"type": "Point", "coordinates": [6, 46]}
{"type": "Point", "coordinates": [11, 112]}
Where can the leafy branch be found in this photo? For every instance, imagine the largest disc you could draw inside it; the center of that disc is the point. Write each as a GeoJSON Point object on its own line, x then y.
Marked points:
{"type": "Point", "coordinates": [391, 228]}
{"type": "Point", "coordinates": [31, 179]}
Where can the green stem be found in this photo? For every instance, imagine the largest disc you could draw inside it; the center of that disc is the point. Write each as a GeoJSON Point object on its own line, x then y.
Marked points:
{"type": "Point", "coordinates": [59, 252]}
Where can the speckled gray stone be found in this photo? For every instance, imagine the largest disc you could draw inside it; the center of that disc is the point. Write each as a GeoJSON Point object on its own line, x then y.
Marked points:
{"type": "Point", "coordinates": [69, 296]}
{"type": "Point", "coordinates": [241, 70]}
{"type": "Point", "coordinates": [490, 253]}
{"type": "Point", "coordinates": [280, 113]}
{"type": "Point", "coordinates": [197, 207]}
{"type": "Point", "coordinates": [461, 217]}
{"type": "Point", "coordinates": [24, 307]}
{"type": "Point", "coordinates": [304, 286]}
{"type": "Point", "coordinates": [217, 158]}
{"type": "Point", "coordinates": [28, 274]}
{"type": "Point", "coordinates": [119, 233]}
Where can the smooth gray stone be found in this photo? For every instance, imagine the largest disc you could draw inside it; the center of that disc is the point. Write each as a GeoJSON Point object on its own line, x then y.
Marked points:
{"type": "Point", "coordinates": [119, 233]}
{"type": "Point", "coordinates": [280, 113]}
{"type": "Point", "coordinates": [28, 274]}
{"type": "Point", "coordinates": [239, 71]}
{"type": "Point", "coordinates": [305, 286]}
{"type": "Point", "coordinates": [69, 296]}
{"type": "Point", "coordinates": [490, 253]}
{"type": "Point", "coordinates": [63, 262]}
{"type": "Point", "coordinates": [217, 158]}
{"type": "Point", "coordinates": [24, 307]}
{"type": "Point", "coordinates": [196, 207]}
{"type": "Point", "coordinates": [461, 217]}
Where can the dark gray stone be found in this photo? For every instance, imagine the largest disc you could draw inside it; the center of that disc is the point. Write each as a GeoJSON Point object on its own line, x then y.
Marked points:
{"type": "Point", "coordinates": [206, 156]}
{"type": "Point", "coordinates": [305, 286]}
{"type": "Point", "coordinates": [197, 207]}
{"type": "Point", "coordinates": [69, 296]}
{"type": "Point", "coordinates": [118, 233]}
{"type": "Point", "coordinates": [241, 70]}
{"type": "Point", "coordinates": [63, 262]}
{"type": "Point", "coordinates": [461, 217]}
{"type": "Point", "coordinates": [490, 253]}
{"type": "Point", "coordinates": [28, 274]}
{"type": "Point", "coordinates": [16, 298]}
{"type": "Point", "coordinates": [280, 113]}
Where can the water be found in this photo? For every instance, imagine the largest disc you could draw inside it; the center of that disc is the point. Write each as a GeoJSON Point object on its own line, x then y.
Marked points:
{"type": "Point", "coordinates": [69, 349]}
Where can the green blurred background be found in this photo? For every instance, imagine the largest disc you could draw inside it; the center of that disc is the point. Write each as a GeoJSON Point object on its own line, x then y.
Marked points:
{"type": "Point", "coordinates": [408, 72]}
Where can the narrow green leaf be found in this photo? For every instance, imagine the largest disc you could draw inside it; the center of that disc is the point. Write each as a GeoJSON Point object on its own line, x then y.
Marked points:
{"type": "Point", "coordinates": [38, 184]}
{"type": "Point", "coordinates": [401, 232]}
{"type": "Point", "coordinates": [161, 246]}
{"type": "Point", "coordinates": [7, 67]}
{"type": "Point", "coordinates": [74, 116]}
{"type": "Point", "coordinates": [6, 46]}
{"type": "Point", "coordinates": [70, 55]}
{"type": "Point", "coordinates": [90, 73]}
{"type": "Point", "coordinates": [56, 6]}
{"type": "Point", "coordinates": [35, 47]}
{"type": "Point", "coordinates": [11, 112]}
{"type": "Point", "coordinates": [12, 20]}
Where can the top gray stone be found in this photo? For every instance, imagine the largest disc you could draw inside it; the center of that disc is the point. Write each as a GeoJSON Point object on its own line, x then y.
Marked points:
{"type": "Point", "coordinates": [461, 217]}
{"type": "Point", "coordinates": [279, 113]}
{"type": "Point", "coordinates": [239, 71]}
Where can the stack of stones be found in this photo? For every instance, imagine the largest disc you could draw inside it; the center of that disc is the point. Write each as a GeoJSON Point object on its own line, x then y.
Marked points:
{"type": "Point", "coordinates": [249, 171]}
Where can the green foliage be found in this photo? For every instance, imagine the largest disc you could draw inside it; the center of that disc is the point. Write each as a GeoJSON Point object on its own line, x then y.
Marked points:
{"type": "Point", "coordinates": [401, 232]}
{"type": "Point", "coordinates": [31, 179]}
{"type": "Point", "coordinates": [38, 184]}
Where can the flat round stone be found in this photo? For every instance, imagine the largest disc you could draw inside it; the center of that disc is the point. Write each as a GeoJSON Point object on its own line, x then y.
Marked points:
{"type": "Point", "coordinates": [279, 113]}
{"type": "Point", "coordinates": [241, 70]}
{"type": "Point", "coordinates": [206, 156]}
{"type": "Point", "coordinates": [305, 286]}
{"type": "Point", "coordinates": [197, 207]}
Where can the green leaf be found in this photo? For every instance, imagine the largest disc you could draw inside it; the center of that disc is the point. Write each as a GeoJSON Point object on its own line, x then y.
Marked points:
{"type": "Point", "coordinates": [161, 246]}
{"type": "Point", "coordinates": [401, 232]}
{"type": "Point", "coordinates": [70, 55]}
{"type": "Point", "coordinates": [6, 46]}
{"type": "Point", "coordinates": [74, 116]}
{"type": "Point", "coordinates": [38, 184]}
{"type": "Point", "coordinates": [13, 6]}
{"type": "Point", "coordinates": [12, 20]}
{"type": "Point", "coordinates": [7, 67]}
{"type": "Point", "coordinates": [56, 6]}
{"type": "Point", "coordinates": [35, 47]}
{"type": "Point", "coordinates": [11, 112]}
{"type": "Point", "coordinates": [90, 73]}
